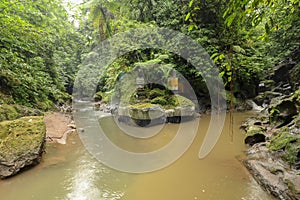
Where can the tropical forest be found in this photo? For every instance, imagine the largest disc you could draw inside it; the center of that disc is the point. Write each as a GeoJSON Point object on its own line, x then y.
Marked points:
{"type": "Point", "coordinates": [149, 99]}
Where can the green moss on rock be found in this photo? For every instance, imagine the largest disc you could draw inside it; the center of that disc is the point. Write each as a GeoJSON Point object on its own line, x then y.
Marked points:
{"type": "Point", "coordinates": [156, 92]}
{"type": "Point", "coordinates": [289, 144]}
{"type": "Point", "coordinates": [159, 100]}
{"type": "Point", "coordinates": [8, 112]}
{"type": "Point", "coordinates": [21, 143]}
{"type": "Point", "coordinates": [98, 96]}
{"type": "Point", "coordinates": [295, 76]}
{"type": "Point", "coordinates": [280, 141]}
{"type": "Point", "coordinates": [178, 100]}
{"type": "Point", "coordinates": [143, 106]}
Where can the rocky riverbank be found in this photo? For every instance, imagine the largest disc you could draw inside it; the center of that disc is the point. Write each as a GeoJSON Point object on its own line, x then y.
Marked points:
{"type": "Point", "coordinates": [274, 156]}
{"type": "Point", "coordinates": [274, 134]}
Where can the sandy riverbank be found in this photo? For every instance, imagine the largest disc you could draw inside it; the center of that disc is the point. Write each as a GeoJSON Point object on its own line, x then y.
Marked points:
{"type": "Point", "coordinates": [58, 126]}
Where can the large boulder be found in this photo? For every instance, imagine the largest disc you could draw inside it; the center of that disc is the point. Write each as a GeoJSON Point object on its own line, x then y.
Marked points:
{"type": "Point", "coordinates": [162, 108]}
{"type": "Point", "coordinates": [282, 112]}
{"type": "Point", "coordinates": [147, 114]}
{"type": "Point", "coordinates": [21, 144]}
{"type": "Point", "coordinates": [144, 114]}
{"type": "Point", "coordinates": [180, 114]}
{"type": "Point", "coordinates": [152, 114]}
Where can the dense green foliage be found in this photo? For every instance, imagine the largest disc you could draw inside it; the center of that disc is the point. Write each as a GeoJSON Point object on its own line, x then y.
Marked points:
{"type": "Point", "coordinates": [244, 44]}
{"type": "Point", "coordinates": [40, 52]}
{"type": "Point", "coordinates": [15, 111]}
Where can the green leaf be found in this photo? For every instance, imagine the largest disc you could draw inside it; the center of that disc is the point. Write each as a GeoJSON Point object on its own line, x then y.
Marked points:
{"type": "Point", "coordinates": [191, 27]}
{"type": "Point", "coordinates": [228, 67]}
{"type": "Point", "coordinates": [226, 12]}
{"type": "Point", "coordinates": [230, 19]}
{"type": "Point", "coordinates": [214, 55]}
{"type": "Point", "coordinates": [187, 16]}
{"type": "Point", "coordinates": [191, 3]}
{"type": "Point", "coordinates": [221, 74]}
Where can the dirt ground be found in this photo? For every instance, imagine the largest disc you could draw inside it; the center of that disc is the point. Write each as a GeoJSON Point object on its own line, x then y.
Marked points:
{"type": "Point", "coordinates": [57, 124]}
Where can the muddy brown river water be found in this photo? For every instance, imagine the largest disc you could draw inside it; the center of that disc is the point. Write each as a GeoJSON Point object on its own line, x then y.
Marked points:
{"type": "Point", "coordinates": [70, 172]}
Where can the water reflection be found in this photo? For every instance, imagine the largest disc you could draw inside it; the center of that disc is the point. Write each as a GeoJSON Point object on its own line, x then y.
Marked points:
{"type": "Point", "coordinates": [69, 172]}
{"type": "Point", "coordinates": [82, 183]}
{"type": "Point", "coordinates": [91, 180]}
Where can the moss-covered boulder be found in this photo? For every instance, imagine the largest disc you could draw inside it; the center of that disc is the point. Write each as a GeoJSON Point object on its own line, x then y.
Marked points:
{"type": "Point", "coordinates": [146, 114]}
{"type": "Point", "coordinates": [21, 144]}
{"type": "Point", "coordinates": [176, 109]}
{"type": "Point", "coordinates": [287, 142]}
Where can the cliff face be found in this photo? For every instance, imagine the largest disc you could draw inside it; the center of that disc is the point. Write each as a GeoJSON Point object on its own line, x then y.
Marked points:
{"type": "Point", "coordinates": [22, 144]}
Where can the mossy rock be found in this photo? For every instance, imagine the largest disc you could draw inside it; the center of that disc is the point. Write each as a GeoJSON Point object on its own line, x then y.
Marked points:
{"type": "Point", "coordinates": [8, 112]}
{"type": "Point", "coordinates": [106, 96]}
{"type": "Point", "coordinates": [254, 135]}
{"type": "Point", "coordinates": [98, 96]}
{"type": "Point", "coordinates": [156, 92]}
{"type": "Point", "coordinates": [287, 143]}
{"type": "Point", "coordinates": [178, 100]}
{"type": "Point", "coordinates": [283, 112]}
{"type": "Point", "coordinates": [296, 97]}
{"type": "Point", "coordinates": [280, 141]}
{"type": "Point", "coordinates": [159, 100]}
{"type": "Point", "coordinates": [21, 144]}
{"type": "Point", "coordinates": [146, 111]}
{"type": "Point", "coordinates": [143, 106]}
{"type": "Point", "coordinates": [21, 134]}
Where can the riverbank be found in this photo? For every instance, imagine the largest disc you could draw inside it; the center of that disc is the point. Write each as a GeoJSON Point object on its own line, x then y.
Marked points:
{"type": "Point", "coordinates": [58, 126]}
{"type": "Point", "coordinates": [274, 156]}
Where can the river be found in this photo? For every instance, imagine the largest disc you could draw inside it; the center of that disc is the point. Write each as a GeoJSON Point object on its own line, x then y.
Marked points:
{"type": "Point", "coordinates": [70, 172]}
